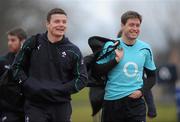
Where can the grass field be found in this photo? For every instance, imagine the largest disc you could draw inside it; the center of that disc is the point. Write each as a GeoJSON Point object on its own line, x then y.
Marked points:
{"type": "Point", "coordinates": [82, 110]}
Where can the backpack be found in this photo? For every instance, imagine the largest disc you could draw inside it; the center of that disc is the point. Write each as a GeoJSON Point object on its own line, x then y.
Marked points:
{"type": "Point", "coordinates": [95, 82]}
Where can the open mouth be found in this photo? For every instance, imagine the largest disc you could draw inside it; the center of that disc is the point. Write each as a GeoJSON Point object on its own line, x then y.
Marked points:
{"type": "Point", "coordinates": [62, 30]}
{"type": "Point", "coordinates": [133, 33]}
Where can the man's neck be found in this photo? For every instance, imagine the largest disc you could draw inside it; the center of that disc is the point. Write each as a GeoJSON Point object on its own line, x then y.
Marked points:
{"type": "Point", "coordinates": [54, 39]}
{"type": "Point", "coordinates": [128, 41]}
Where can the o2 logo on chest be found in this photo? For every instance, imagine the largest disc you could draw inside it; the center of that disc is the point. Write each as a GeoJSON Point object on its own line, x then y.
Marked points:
{"type": "Point", "coordinates": [130, 69]}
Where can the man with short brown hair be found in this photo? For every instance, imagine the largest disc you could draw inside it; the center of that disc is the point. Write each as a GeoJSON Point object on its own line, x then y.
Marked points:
{"type": "Point", "coordinates": [125, 87]}
{"type": "Point", "coordinates": [55, 72]}
{"type": "Point", "coordinates": [11, 99]}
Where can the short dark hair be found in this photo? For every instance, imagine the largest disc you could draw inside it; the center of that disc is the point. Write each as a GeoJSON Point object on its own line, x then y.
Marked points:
{"type": "Point", "coordinates": [119, 34]}
{"type": "Point", "coordinates": [19, 32]}
{"type": "Point", "coordinates": [130, 15]}
{"type": "Point", "coordinates": [55, 11]}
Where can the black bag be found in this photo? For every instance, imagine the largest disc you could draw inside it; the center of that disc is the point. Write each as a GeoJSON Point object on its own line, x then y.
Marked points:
{"type": "Point", "coordinates": [97, 83]}
{"type": "Point", "coordinates": [97, 43]}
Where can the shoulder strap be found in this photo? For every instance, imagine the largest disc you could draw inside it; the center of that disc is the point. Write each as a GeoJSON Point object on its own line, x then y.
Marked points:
{"type": "Point", "coordinates": [36, 41]}
{"type": "Point", "coordinates": [33, 43]}
{"type": "Point", "coordinates": [108, 52]}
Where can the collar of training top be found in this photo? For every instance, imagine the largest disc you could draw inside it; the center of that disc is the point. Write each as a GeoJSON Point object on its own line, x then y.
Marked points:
{"type": "Point", "coordinates": [64, 40]}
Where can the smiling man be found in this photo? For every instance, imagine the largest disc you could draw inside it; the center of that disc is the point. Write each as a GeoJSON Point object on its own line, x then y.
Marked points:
{"type": "Point", "coordinates": [125, 87]}
{"type": "Point", "coordinates": [55, 71]}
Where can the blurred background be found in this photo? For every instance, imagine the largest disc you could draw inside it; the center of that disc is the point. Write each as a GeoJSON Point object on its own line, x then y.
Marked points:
{"type": "Point", "coordinates": [86, 18]}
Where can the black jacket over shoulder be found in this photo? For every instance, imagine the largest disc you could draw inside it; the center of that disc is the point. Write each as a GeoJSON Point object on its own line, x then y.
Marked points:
{"type": "Point", "coordinates": [55, 70]}
{"type": "Point", "coordinates": [11, 98]}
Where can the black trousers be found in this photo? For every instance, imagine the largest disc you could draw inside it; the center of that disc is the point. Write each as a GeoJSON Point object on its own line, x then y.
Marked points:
{"type": "Point", "coordinates": [12, 117]}
{"type": "Point", "coordinates": [60, 112]}
{"type": "Point", "coordinates": [124, 110]}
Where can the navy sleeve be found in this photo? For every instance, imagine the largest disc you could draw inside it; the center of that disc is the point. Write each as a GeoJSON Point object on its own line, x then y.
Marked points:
{"type": "Point", "coordinates": [79, 73]}
{"type": "Point", "coordinates": [22, 60]}
{"type": "Point", "coordinates": [148, 96]}
{"type": "Point", "coordinates": [103, 69]}
{"type": "Point", "coordinates": [149, 80]}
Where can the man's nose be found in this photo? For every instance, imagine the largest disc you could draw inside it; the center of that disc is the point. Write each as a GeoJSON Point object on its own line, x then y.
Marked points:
{"type": "Point", "coordinates": [61, 24]}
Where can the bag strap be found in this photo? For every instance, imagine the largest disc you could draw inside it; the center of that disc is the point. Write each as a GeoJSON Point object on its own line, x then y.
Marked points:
{"type": "Point", "coordinates": [114, 47]}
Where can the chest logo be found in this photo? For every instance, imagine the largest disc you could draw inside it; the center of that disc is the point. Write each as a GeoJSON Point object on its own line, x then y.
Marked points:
{"type": "Point", "coordinates": [38, 47]}
{"type": "Point", "coordinates": [129, 73]}
{"type": "Point", "coordinates": [63, 54]}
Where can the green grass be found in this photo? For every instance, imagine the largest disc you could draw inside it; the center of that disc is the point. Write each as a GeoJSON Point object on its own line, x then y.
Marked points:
{"type": "Point", "coordinates": [82, 110]}
{"type": "Point", "coordinates": [81, 107]}
{"type": "Point", "coordinates": [166, 113]}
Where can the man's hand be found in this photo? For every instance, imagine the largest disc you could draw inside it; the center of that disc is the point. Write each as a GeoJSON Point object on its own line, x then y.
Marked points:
{"type": "Point", "coordinates": [119, 53]}
{"type": "Point", "coordinates": [135, 95]}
